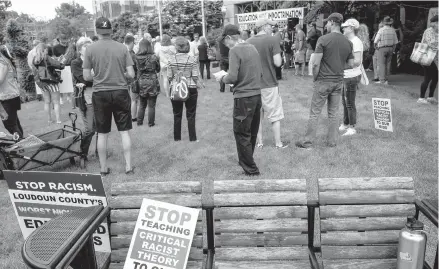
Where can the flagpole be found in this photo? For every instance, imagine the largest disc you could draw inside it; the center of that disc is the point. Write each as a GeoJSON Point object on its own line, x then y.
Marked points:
{"type": "Point", "coordinates": [203, 21]}
{"type": "Point", "coordinates": [160, 19]}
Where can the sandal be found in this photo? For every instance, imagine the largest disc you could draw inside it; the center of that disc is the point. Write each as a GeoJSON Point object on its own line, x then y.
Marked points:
{"type": "Point", "coordinates": [106, 173]}
{"type": "Point", "coordinates": [260, 145]}
{"type": "Point", "coordinates": [131, 171]}
{"type": "Point", "coordinates": [58, 122]}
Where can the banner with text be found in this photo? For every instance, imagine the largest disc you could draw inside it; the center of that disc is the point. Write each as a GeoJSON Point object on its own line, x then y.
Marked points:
{"type": "Point", "coordinates": [382, 114]}
{"type": "Point", "coordinates": [274, 15]}
{"type": "Point", "coordinates": [38, 197]}
{"type": "Point", "coordinates": [162, 237]}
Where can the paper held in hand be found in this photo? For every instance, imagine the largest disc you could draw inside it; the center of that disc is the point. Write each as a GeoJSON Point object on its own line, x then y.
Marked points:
{"type": "Point", "coordinates": [162, 237]}
{"type": "Point", "coordinates": [220, 74]}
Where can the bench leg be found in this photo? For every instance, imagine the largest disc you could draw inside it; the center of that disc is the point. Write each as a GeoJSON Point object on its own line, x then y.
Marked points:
{"type": "Point", "coordinates": [86, 258]}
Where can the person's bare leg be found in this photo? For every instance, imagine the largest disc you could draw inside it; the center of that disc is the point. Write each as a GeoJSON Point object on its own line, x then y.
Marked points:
{"type": "Point", "coordinates": [102, 151]}
{"type": "Point", "coordinates": [303, 69]}
{"type": "Point", "coordinates": [276, 132]}
{"type": "Point", "coordinates": [133, 107]}
{"type": "Point", "coordinates": [56, 106]}
{"type": "Point", "coordinates": [48, 105]}
{"type": "Point", "coordinates": [259, 140]}
{"type": "Point", "coordinates": [126, 144]}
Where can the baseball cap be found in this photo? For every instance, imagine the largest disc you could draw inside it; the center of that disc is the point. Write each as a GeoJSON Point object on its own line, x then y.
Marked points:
{"type": "Point", "coordinates": [231, 29]}
{"type": "Point", "coordinates": [103, 26]}
{"type": "Point", "coordinates": [351, 22]}
{"type": "Point", "coordinates": [263, 22]}
{"type": "Point", "coordinates": [336, 17]}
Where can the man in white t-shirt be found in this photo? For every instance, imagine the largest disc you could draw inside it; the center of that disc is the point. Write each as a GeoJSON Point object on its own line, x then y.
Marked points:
{"type": "Point", "coordinates": [351, 78]}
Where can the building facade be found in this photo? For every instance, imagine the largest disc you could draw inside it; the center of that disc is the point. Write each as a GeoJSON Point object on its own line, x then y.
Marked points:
{"type": "Point", "coordinates": [113, 8]}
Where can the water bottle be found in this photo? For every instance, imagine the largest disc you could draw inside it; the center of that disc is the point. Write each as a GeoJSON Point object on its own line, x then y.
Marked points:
{"type": "Point", "coordinates": [412, 244]}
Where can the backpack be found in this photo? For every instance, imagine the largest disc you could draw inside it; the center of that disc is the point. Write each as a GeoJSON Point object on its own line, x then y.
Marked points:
{"type": "Point", "coordinates": [211, 54]}
{"type": "Point", "coordinates": [179, 85]}
{"type": "Point", "coordinates": [49, 76]}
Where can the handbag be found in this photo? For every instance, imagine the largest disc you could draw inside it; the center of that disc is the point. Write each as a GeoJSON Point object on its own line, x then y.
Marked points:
{"type": "Point", "coordinates": [179, 85]}
{"type": "Point", "coordinates": [422, 54]}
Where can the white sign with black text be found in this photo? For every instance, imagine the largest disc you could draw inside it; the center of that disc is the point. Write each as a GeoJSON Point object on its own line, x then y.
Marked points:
{"type": "Point", "coordinates": [382, 114]}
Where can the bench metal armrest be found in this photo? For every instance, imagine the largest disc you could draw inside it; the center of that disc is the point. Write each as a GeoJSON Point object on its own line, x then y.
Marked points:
{"type": "Point", "coordinates": [312, 205]}
{"type": "Point", "coordinates": [426, 208]}
{"type": "Point", "coordinates": [58, 242]}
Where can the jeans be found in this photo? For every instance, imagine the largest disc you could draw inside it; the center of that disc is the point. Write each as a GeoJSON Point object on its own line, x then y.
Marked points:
{"type": "Point", "coordinates": [88, 118]}
{"type": "Point", "coordinates": [246, 119]}
{"type": "Point", "coordinates": [207, 64]}
{"type": "Point", "coordinates": [323, 91]}
{"type": "Point", "coordinates": [430, 77]}
{"type": "Point", "coordinates": [348, 99]}
{"type": "Point", "coordinates": [223, 66]}
{"type": "Point", "coordinates": [191, 109]}
{"type": "Point", "coordinates": [384, 62]}
{"type": "Point", "coordinates": [147, 101]}
{"type": "Point", "coordinates": [12, 124]}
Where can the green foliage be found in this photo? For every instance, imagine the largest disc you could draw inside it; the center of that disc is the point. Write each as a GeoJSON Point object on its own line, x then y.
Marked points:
{"type": "Point", "coordinates": [71, 11]}
{"type": "Point", "coordinates": [20, 44]}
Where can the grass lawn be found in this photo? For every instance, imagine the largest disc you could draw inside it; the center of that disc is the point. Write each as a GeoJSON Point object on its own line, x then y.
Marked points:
{"type": "Point", "coordinates": [411, 150]}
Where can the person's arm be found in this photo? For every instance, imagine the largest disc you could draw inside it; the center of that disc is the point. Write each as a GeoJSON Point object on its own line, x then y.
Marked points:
{"type": "Point", "coordinates": [357, 59]}
{"type": "Point", "coordinates": [277, 59]}
{"type": "Point", "coordinates": [234, 64]}
{"type": "Point", "coordinates": [301, 37]}
{"type": "Point", "coordinates": [78, 74]}
{"type": "Point", "coordinates": [130, 74]}
{"type": "Point", "coordinates": [318, 55]}
{"type": "Point", "coordinates": [86, 67]}
{"type": "Point", "coordinates": [54, 63]}
{"type": "Point", "coordinates": [377, 38]}
{"type": "Point", "coordinates": [194, 72]}
{"type": "Point", "coordinates": [395, 40]}
{"type": "Point", "coordinates": [3, 71]}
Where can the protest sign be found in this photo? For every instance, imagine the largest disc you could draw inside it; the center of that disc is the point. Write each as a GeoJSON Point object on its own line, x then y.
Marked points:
{"type": "Point", "coordinates": [382, 114]}
{"type": "Point", "coordinates": [38, 197]}
{"type": "Point", "coordinates": [162, 237]}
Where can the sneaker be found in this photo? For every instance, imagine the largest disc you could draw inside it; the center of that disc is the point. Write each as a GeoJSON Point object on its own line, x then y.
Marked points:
{"type": "Point", "coordinates": [350, 131]}
{"type": "Point", "coordinates": [283, 146]}
{"type": "Point", "coordinates": [432, 100]}
{"type": "Point", "coordinates": [343, 127]}
{"type": "Point", "coordinates": [422, 101]}
{"type": "Point", "coordinates": [376, 79]}
{"type": "Point", "coordinates": [302, 146]}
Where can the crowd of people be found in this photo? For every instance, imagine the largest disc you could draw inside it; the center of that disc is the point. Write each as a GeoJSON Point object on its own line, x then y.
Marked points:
{"type": "Point", "coordinates": [119, 81]}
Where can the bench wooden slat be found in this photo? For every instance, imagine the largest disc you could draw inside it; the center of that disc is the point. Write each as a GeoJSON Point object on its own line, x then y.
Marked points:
{"type": "Point", "coordinates": [127, 228]}
{"type": "Point", "coordinates": [135, 188]}
{"type": "Point", "coordinates": [102, 259]}
{"type": "Point", "coordinates": [190, 200]}
{"type": "Point", "coordinates": [190, 265]}
{"type": "Point", "coordinates": [260, 199]}
{"type": "Point", "coordinates": [367, 197]}
{"type": "Point", "coordinates": [360, 264]}
{"type": "Point", "coordinates": [367, 224]}
{"type": "Point", "coordinates": [253, 226]}
{"type": "Point", "coordinates": [359, 252]}
{"type": "Point", "coordinates": [360, 238]}
{"type": "Point", "coordinates": [366, 183]}
{"type": "Point", "coordinates": [266, 185]}
{"type": "Point", "coordinates": [262, 264]}
{"type": "Point", "coordinates": [395, 210]}
{"type": "Point", "coordinates": [131, 215]}
{"type": "Point", "coordinates": [278, 212]}
{"type": "Point", "coordinates": [119, 255]}
{"type": "Point", "coordinates": [123, 241]}
{"type": "Point", "coordinates": [261, 253]}
{"type": "Point", "coordinates": [266, 239]}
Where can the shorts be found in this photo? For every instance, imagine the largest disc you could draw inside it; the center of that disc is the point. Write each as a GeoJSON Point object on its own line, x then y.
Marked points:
{"type": "Point", "coordinates": [300, 56]}
{"type": "Point", "coordinates": [272, 104]}
{"type": "Point", "coordinates": [115, 103]}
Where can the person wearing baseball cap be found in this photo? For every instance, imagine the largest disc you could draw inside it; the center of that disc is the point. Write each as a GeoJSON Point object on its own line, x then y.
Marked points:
{"type": "Point", "coordinates": [332, 54]}
{"type": "Point", "coordinates": [385, 42]}
{"type": "Point", "coordinates": [245, 74]}
{"type": "Point", "coordinates": [269, 50]}
{"type": "Point", "coordinates": [352, 77]}
{"type": "Point", "coordinates": [113, 67]}
{"type": "Point", "coordinates": [430, 37]}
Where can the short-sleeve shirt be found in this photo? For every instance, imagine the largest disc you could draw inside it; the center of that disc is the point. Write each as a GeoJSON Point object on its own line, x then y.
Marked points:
{"type": "Point", "coordinates": [267, 47]}
{"type": "Point", "coordinates": [386, 37]}
{"type": "Point", "coordinates": [109, 60]}
{"type": "Point", "coordinates": [300, 36]}
{"type": "Point", "coordinates": [357, 46]}
{"type": "Point", "coordinates": [337, 50]}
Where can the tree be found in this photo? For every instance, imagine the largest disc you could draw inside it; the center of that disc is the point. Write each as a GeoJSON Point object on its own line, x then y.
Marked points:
{"type": "Point", "coordinates": [71, 11]}
{"type": "Point", "coordinates": [20, 44]}
{"type": "Point", "coordinates": [71, 20]}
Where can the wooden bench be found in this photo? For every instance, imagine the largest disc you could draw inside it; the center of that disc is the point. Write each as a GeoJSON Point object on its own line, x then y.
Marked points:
{"type": "Point", "coordinates": [125, 202]}
{"type": "Point", "coordinates": [360, 220]}
{"type": "Point", "coordinates": [260, 224]}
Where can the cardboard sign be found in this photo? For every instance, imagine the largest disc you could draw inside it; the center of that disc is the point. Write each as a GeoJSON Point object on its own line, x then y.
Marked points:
{"type": "Point", "coordinates": [38, 197]}
{"type": "Point", "coordinates": [162, 237]}
{"type": "Point", "coordinates": [274, 15]}
{"type": "Point", "coordinates": [382, 114]}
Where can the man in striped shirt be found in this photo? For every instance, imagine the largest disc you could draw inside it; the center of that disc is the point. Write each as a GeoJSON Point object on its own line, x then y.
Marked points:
{"type": "Point", "coordinates": [385, 42]}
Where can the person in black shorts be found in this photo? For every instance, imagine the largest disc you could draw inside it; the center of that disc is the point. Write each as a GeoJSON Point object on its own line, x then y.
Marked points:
{"type": "Point", "coordinates": [112, 65]}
